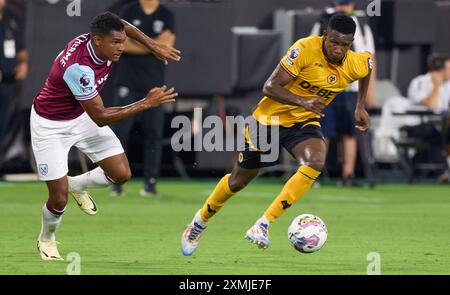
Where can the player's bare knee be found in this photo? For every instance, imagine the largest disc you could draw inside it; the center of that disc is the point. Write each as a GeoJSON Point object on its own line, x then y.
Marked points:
{"type": "Point", "coordinates": [122, 177]}
{"type": "Point", "coordinates": [58, 200]}
{"type": "Point", "coordinates": [316, 163]}
{"type": "Point", "coordinates": [127, 175]}
{"type": "Point", "coordinates": [317, 166]}
{"type": "Point", "coordinates": [236, 185]}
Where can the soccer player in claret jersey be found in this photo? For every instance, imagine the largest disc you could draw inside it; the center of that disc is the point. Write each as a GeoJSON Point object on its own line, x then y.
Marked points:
{"type": "Point", "coordinates": [309, 76]}
{"type": "Point", "coordinates": [69, 111]}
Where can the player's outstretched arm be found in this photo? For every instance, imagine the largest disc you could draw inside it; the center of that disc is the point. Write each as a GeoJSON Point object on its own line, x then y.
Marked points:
{"type": "Point", "coordinates": [105, 116]}
{"type": "Point", "coordinates": [274, 89]}
{"type": "Point", "coordinates": [362, 118]}
{"type": "Point", "coordinates": [161, 51]}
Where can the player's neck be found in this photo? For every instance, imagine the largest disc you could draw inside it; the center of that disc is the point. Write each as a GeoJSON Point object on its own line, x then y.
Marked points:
{"type": "Point", "coordinates": [149, 6]}
{"type": "Point", "coordinates": [96, 52]}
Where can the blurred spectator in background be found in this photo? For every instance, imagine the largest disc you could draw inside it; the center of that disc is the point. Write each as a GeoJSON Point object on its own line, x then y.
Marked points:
{"type": "Point", "coordinates": [13, 62]}
{"type": "Point", "coordinates": [138, 71]}
{"type": "Point", "coordinates": [339, 120]}
{"type": "Point", "coordinates": [108, 91]}
{"type": "Point", "coordinates": [117, 6]}
{"type": "Point", "coordinates": [432, 90]}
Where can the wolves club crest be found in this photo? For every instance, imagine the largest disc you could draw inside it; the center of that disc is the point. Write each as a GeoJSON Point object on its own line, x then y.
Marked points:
{"type": "Point", "coordinates": [332, 79]}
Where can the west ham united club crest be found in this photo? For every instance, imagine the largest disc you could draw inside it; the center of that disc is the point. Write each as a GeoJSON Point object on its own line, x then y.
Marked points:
{"type": "Point", "coordinates": [43, 169]}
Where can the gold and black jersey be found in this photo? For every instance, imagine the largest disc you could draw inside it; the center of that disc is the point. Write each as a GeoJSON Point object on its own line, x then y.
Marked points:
{"type": "Point", "coordinates": [313, 77]}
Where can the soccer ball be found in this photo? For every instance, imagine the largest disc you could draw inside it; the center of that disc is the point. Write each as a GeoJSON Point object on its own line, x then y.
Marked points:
{"type": "Point", "coordinates": [307, 233]}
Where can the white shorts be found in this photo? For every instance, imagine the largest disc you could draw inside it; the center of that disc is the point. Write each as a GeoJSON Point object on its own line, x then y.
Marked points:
{"type": "Point", "coordinates": [51, 141]}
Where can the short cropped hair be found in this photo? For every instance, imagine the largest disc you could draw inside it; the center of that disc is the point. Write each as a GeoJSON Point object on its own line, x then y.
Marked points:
{"type": "Point", "coordinates": [106, 22]}
{"type": "Point", "coordinates": [436, 61]}
{"type": "Point", "coordinates": [342, 23]}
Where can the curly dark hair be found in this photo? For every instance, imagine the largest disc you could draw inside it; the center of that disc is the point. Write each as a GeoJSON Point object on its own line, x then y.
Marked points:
{"type": "Point", "coordinates": [342, 23]}
{"type": "Point", "coordinates": [436, 61]}
{"type": "Point", "coordinates": [106, 22]}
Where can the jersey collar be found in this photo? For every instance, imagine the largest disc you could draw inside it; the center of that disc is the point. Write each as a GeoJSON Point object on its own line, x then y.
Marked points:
{"type": "Point", "coordinates": [94, 57]}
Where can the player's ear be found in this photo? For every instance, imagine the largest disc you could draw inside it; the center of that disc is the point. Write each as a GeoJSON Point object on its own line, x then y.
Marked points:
{"type": "Point", "coordinates": [97, 40]}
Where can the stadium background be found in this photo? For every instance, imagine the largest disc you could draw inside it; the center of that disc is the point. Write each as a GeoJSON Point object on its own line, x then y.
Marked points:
{"type": "Point", "coordinates": [223, 68]}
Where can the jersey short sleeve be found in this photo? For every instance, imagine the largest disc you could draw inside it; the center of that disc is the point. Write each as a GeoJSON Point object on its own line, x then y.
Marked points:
{"type": "Point", "coordinates": [81, 81]}
{"type": "Point", "coordinates": [294, 60]}
{"type": "Point", "coordinates": [364, 64]}
{"type": "Point", "coordinates": [169, 21]}
{"type": "Point", "coordinates": [20, 40]}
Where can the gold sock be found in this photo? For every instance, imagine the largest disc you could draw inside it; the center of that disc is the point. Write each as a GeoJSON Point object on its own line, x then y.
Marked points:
{"type": "Point", "coordinates": [293, 190]}
{"type": "Point", "coordinates": [217, 199]}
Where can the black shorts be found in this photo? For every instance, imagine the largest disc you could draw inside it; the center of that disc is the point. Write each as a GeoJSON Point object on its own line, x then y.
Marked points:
{"type": "Point", "coordinates": [260, 141]}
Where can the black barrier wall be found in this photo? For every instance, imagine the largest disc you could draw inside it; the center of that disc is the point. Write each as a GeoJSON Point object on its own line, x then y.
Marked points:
{"type": "Point", "coordinates": [204, 35]}
{"type": "Point", "coordinates": [221, 61]}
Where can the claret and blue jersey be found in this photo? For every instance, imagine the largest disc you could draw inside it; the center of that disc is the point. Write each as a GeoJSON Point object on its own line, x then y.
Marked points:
{"type": "Point", "coordinates": [77, 74]}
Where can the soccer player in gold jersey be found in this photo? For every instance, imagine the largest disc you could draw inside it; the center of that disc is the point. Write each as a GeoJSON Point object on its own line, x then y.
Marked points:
{"type": "Point", "coordinates": [308, 77]}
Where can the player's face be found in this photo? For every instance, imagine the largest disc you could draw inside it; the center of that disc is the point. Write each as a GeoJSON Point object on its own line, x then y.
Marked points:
{"type": "Point", "coordinates": [112, 45]}
{"type": "Point", "coordinates": [336, 45]}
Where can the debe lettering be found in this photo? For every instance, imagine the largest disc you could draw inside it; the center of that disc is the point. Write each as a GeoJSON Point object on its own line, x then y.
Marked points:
{"type": "Point", "coordinates": [321, 92]}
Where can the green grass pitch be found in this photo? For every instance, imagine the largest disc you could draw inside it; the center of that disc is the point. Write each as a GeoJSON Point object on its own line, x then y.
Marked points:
{"type": "Point", "coordinates": [407, 225]}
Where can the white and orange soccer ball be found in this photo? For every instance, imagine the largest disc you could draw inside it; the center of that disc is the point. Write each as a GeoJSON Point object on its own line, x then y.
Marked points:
{"type": "Point", "coordinates": [307, 233]}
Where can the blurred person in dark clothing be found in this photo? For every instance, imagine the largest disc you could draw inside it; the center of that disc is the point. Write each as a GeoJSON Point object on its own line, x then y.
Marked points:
{"type": "Point", "coordinates": [117, 6]}
{"type": "Point", "coordinates": [108, 91]}
{"type": "Point", "coordinates": [137, 71]}
{"type": "Point", "coordinates": [339, 120]}
{"type": "Point", "coordinates": [13, 62]}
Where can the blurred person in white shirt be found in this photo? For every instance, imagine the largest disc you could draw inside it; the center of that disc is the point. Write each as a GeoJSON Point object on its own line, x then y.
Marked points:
{"type": "Point", "coordinates": [432, 90]}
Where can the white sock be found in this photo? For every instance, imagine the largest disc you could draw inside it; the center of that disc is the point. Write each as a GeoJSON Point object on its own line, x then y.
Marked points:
{"type": "Point", "coordinates": [263, 221]}
{"type": "Point", "coordinates": [199, 220]}
{"type": "Point", "coordinates": [95, 178]}
{"type": "Point", "coordinates": [49, 225]}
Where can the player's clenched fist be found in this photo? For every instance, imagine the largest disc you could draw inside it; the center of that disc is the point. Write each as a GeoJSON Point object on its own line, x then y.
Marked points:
{"type": "Point", "coordinates": [362, 119]}
{"type": "Point", "coordinates": [160, 95]}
